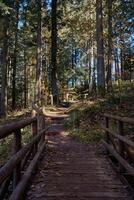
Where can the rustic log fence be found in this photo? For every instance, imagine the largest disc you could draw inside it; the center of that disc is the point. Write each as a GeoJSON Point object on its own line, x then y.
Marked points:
{"type": "Point", "coordinates": [16, 172]}
{"type": "Point", "coordinates": [118, 144]}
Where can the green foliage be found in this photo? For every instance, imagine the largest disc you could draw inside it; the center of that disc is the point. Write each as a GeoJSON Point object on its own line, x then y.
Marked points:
{"type": "Point", "coordinates": [6, 145]}
{"type": "Point", "coordinates": [84, 116]}
{"type": "Point", "coordinates": [5, 149]}
{"type": "Point", "coordinates": [91, 136]}
{"type": "Point", "coordinates": [82, 123]}
{"type": "Point", "coordinates": [4, 9]}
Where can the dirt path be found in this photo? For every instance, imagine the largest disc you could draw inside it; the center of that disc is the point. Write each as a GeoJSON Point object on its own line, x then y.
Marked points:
{"type": "Point", "coordinates": [73, 171]}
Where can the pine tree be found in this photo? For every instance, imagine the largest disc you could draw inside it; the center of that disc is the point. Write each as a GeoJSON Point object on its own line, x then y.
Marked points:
{"type": "Point", "coordinates": [100, 47]}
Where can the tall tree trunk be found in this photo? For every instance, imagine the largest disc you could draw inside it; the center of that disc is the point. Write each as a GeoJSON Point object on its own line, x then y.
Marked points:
{"type": "Point", "coordinates": [89, 63]}
{"type": "Point", "coordinates": [122, 46]}
{"type": "Point", "coordinates": [54, 86]}
{"type": "Point", "coordinates": [122, 62]}
{"type": "Point", "coordinates": [115, 64]}
{"type": "Point", "coordinates": [93, 56]}
{"type": "Point", "coordinates": [73, 84]}
{"type": "Point", "coordinates": [130, 69]}
{"type": "Point", "coordinates": [39, 54]}
{"type": "Point", "coordinates": [25, 79]}
{"type": "Point", "coordinates": [94, 70]}
{"type": "Point", "coordinates": [109, 72]}
{"type": "Point", "coordinates": [4, 63]}
{"type": "Point", "coordinates": [75, 66]}
{"type": "Point", "coordinates": [117, 70]}
{"type": "Point", "coordinates": [15, 57]}
{"type": "Point", "coordinates": [100, 48]}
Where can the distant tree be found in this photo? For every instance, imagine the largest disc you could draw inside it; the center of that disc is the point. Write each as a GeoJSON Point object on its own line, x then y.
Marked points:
{"type": "Point", "coordinates": [39, 53]}
{"type": "Point", "coordinates": [5, 15]}
{"type": "Point", "coordinates": [16, 10]}
{"type": "Point", "coordinates": [54, 86]}
{"type": "Point", "coordinates": [100, 47]}
{"type": "Point", "coordinates": [109, 68]}
{"type": "Point", "coordinates": [4, 63]}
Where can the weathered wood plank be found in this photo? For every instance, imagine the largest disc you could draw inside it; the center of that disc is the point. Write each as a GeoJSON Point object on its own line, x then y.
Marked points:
{"type": "Point", "coordinates": [75, 171]}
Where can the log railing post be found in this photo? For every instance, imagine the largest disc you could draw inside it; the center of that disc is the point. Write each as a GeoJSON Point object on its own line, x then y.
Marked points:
{"type": "Point", "coordinates": [16, 148]}
{"type": "Point", "coordinates": [121, 144]}
{"type": "Point", "coordinates": [42, 126]}
{"type": "Point", "coordinates": [34, 133]}
{"type": "Point", "coordinates": [107, 133]}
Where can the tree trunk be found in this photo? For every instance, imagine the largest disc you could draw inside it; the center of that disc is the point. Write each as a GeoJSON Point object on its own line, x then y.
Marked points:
{"type": "Point", "coordinates": [54, 86]}
{"type": "Point", "coordinates": [109, 72]}
{"type": "Point", "coordinates": [4, 63]}
{"type": "Point", "coordinates": [39, 54]}
{"type": "Point", "coordinates": [73, 84]}
{"type": "Point", "coordinates": [25, 79]}
{"type": "Point", "coordinates": [94, 70]}
{"type": "Point", "coordinates": [122, 62]}
{"type": "Point", "coordinates": [117, 70]}
{"type": "Point", "coordinates": [100, 48]}
{"type": "Point", "coordinates": [89, 64]}
{"type": "Point", "coordinates": [15, 58]}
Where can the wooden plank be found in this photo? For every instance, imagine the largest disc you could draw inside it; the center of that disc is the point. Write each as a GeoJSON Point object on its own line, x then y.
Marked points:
{"type": "Point", "coordinates": [84, 198]}
{"type": "Point", "coordinates": [8, 129]}
{"type": "Point", "coordinates": [81, 194]}
{"type": "Point", "coordinates": [18, 192]}
{"type": "Point", "coordinates": [122, 161]}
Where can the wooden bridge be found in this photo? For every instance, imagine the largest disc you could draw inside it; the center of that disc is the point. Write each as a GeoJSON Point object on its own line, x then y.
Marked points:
{"type": "Point", "coordinates": [67, 169]}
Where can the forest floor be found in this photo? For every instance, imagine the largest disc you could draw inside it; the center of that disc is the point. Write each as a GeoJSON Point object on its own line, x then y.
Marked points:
{"type": "Point", "coordinates": [72, 170]}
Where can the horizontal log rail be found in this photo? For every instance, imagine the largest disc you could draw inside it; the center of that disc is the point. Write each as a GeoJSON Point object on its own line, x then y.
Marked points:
{"type": "Point", "coordinates": [124, 156]}
{"type": "Point", "coordinates": [6, 170]}
{"type": "Point", "coordinates": [20, 189]}
{"type": "Point", "coordinates": [12, 172]}
{"type": "Point", "coordinates": [122, 161]}
{"type": "Point", "coordinates": [8, 129]}
{"type": "Point", "coordinates": [122, 119]}
{"type": "Point", "coordinates": [119, 137]}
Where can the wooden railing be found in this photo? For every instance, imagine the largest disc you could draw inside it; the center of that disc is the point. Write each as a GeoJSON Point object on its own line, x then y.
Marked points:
{"type": "Point", "coordinates": [16, 172]}
{"type": "Point", "coordinates": [119, 144]}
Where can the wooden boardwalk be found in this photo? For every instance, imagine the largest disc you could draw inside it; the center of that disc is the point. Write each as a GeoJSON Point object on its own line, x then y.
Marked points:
{"type": "Point", "coordinates": [74, 171]}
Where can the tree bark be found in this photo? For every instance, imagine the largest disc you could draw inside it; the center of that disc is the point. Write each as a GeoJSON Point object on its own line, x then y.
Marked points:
{"type": "Point", "coordinates": [39, 54]}
{"type": "Point", "coordinates": [4, 63]}
{"type": "Point", "coordinates": [109, 72]}
{"type": "Point", "coordinates": [25, 79]}
{"type": "Point", "coordinates": [54, 86]}
{"type": "Point", "coordinates": [73, 84]}
{"type": "Point", "coordinates": [100, 48]}
{"type": "Point", "coordinates": [94, 70]}
{"type": "Point", "coordinates": [15, 58]}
